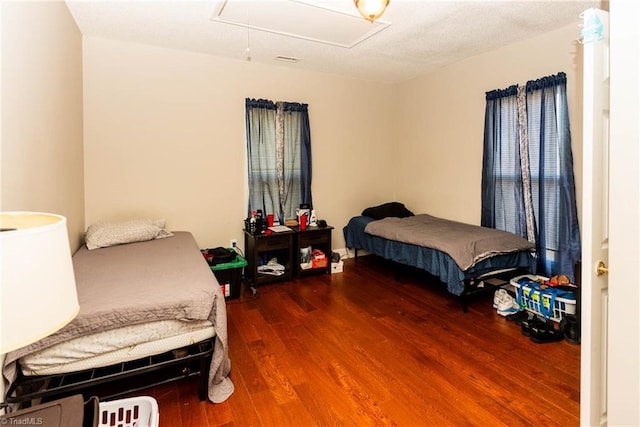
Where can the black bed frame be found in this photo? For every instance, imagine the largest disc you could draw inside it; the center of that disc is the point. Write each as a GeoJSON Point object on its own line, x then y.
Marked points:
{"type": "Point", "coordinates": [117, 380]}
{"type": "Point", "coordinates": [474, 286]}
{"type": "Point", "coordinates": [488, 283]}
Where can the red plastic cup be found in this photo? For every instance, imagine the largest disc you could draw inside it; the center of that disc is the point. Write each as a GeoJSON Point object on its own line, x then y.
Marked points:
{"type": "Point", "coordinates": [269, 220]}
{"type": "Point", "coordinates": [303, 222]}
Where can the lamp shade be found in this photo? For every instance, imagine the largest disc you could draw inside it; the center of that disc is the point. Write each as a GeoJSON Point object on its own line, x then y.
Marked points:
{"type": "Point", "coordinates": [38, 288]}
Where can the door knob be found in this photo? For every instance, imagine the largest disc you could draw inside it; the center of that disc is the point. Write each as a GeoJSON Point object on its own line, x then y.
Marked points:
{"type": "Point", "coordinates": [601, 269]}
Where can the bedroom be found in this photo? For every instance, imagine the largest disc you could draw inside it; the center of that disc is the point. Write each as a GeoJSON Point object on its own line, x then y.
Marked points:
{"type": "Point", "coordinates": [128, 135]}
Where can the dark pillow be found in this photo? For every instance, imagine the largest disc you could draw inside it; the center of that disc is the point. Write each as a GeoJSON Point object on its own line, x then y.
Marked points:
{"type": "Point", "coordinates": [387, 209]}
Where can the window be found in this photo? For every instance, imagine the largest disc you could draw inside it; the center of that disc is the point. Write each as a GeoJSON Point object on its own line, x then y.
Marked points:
{"type": "Point", "coordinates": [528, 185]}
{"type": "Point", "coordinates": [279, 157]}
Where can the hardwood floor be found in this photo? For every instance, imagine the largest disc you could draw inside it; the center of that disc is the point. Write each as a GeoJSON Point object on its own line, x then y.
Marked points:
{"type": "Point", "coordinates": [359, 348]}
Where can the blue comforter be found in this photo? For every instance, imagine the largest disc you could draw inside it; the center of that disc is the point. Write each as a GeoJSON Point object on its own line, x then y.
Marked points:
{"type": "Point", "coordinates": [431, 260]}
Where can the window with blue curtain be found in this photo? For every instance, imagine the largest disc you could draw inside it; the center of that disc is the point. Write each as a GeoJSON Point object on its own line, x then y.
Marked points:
{"type": "Point", "coordinates": [279, 157]}
{"type": "Point", "coordinates": [528, 185]}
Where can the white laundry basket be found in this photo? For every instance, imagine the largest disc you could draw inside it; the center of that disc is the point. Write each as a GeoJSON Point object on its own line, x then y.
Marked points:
{"type": "Point", "coordinates": [139, 411]}
{"type": "Point", "coordinates": [539, 302]}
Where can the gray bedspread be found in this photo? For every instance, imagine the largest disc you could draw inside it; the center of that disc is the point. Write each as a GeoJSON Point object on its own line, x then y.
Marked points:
{"type": "Point", "coordinates": [466, 244]}
{"type": "Point", "coordinates": [143, 282]}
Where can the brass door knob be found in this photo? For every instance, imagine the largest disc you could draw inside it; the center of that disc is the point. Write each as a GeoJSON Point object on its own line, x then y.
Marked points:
{"type": "Point", "coordinates": [601, 269]}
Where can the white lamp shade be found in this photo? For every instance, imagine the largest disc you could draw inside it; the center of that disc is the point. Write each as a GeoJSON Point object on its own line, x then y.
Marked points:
{"type": "Point", "coordinates": [38, 288]}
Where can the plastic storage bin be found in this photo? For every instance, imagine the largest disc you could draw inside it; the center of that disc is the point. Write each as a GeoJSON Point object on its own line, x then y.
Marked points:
{"type": "Point", "coordinates": [539, 302]}
{"type": "Point", "coordinates": [139, 411]}
{"type": "Point", "coordinates": [229, 275]}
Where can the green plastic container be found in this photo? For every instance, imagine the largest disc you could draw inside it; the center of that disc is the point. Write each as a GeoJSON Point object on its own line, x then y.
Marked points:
{"type": "Point", "coordinates": [229, 276]}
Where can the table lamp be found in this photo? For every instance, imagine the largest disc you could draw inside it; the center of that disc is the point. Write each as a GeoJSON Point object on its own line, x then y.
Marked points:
{"type": "Point", "coordinates": [37, 285]}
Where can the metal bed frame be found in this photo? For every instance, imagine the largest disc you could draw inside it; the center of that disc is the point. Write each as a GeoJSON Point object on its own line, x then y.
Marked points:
{"type": "Point", "coordinates": [117, 380]}
{"type": "Point", "coordinates": [473, 286]}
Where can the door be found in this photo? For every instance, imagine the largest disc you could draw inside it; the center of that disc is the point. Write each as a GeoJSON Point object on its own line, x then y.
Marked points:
{"type": "Point", "coordinates": [623, 372]}
{"type": "Point", "coordinates": [595, 220]}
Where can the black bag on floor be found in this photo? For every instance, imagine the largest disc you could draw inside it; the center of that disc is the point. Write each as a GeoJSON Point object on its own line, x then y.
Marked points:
{"type": "Point", "coordinates": [219, 255]}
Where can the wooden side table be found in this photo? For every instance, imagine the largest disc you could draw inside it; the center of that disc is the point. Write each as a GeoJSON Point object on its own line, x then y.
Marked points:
{"type": "Point", "coordinates": [267, 246]}
{"type": "Point", "coordinates": [317, 238]}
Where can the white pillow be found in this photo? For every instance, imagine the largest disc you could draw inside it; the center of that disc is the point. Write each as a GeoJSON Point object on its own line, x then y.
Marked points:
{"type": "Point", "coordinates": [102, 235]}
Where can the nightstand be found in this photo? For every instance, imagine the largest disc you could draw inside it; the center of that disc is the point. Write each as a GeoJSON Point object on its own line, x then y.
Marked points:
{"type": "Point", "coordinates": [316, 238]}
{"type": "Point", "coordinates": [260, 248]}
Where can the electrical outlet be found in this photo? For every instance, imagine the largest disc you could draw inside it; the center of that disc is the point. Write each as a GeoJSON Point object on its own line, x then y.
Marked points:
{"type": "Point", "coordinates": [234, 243]}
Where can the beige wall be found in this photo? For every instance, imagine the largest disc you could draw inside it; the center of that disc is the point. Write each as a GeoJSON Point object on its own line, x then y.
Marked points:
{"type": "Point", "coordinates": [162, 125]}
{"type": "Point", "coordinates": [165, 137]}
{"type": "Point", "coordinates": [41, 138]}
{"type": "Point", "coordinates": [441, 121]}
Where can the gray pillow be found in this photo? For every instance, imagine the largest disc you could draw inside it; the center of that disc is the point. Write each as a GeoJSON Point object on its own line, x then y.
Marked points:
{"type": "Point", "coordinates": [102, 235]}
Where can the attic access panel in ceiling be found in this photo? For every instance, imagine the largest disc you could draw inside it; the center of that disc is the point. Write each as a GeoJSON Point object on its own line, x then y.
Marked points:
{"type": "Point", "coordinates": [308, 20]}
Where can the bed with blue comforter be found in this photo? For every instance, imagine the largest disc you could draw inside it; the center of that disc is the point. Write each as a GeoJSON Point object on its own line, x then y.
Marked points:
{"type": "Point", "coordinates": [455, 254]}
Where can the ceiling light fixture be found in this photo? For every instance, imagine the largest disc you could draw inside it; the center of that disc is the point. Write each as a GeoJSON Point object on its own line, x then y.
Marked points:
{"type": "Point", "coordinates": [371, 9]}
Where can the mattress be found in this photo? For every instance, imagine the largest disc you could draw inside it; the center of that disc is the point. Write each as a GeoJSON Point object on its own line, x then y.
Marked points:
{"type": "Point", "coordinates": [138, 283]}
{"type": "Point", "coordinates": [115, 346]}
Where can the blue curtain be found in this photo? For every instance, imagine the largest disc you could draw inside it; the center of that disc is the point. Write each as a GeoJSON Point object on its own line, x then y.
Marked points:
{"type": "Point", "coordinates": [502, 196]}
{"type": "Point", "coordinates": [546, 184]}
{"type": "Point", "coordinates": [279, 156]}
{"type": "Point", "coordinates": [297, 153]}
{"type": "Point", "coordinates": [261, 156]}
{"type": "Point", "coordinates": [553, 185]}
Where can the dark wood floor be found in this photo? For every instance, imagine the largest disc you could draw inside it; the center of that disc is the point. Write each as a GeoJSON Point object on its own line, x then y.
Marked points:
{"type": "Point", "coordinates": [359, 348]}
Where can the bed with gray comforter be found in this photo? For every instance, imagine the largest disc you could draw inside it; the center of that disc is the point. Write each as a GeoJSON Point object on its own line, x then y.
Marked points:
{"type": "Point", "coordinates": [457, 253]}
{"type": "Point", "coordinates": [136, 283]}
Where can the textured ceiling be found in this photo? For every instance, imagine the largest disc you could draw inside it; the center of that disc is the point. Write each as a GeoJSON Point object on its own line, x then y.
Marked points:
{"type": "Point", "coordinates": [420, 36]}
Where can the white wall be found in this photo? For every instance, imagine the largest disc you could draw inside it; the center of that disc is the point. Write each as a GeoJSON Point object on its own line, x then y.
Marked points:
{"type": "Point", "coordinates": [41, 138]}
{"type": "Point", "coordinates": [165, 137]}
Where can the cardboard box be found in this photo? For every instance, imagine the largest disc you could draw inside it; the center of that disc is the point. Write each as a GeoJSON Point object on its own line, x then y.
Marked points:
{"type": "Point", "coordinates": [336, 267]}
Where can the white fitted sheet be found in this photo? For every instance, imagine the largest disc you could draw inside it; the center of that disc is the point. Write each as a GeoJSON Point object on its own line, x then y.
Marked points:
{"type": "Point", "coordinates": [116, 346]}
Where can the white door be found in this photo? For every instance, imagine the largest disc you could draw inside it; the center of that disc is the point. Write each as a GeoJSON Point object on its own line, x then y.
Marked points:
{"type": "Point", "coordinates": [623, 368]}
{"type": "Point", "coordinates": [595, 221]}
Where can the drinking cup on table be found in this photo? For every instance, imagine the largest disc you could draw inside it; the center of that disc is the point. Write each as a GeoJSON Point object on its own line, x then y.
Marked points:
{"type": "Point", "coordinates": [269, 220]}
{"type": "Point", "coordinates": [303, 222]}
